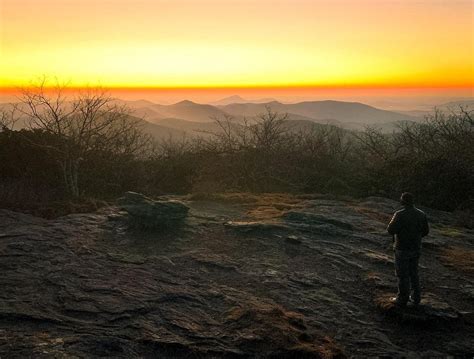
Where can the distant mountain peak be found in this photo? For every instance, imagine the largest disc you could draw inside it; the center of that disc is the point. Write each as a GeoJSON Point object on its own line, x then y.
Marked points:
{"type": "Point", "coordinates": [143, 101]}
{"type": "Point", "coordinates": [229, 100]}
{"type": "Point", "coordinates": [185, 103]}
{"type": "Point", "coordinates": [274, 102]}
{"type": "Point", "coordinates": [236, 99]}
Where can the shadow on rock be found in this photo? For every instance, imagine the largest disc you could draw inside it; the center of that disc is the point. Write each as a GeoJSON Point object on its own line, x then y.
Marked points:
{"type": "Point", "coordinates": [430, 312]}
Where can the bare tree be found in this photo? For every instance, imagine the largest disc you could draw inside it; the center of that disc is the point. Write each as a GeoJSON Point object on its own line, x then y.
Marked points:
{"type": "Point", "coordinates": [269, 129]}
{"type": "Point", "coordinates": [225, 139]}
{"type": "Point", "coordinates": [90, 121]}
{"type": "Point", "coordinates": [7, 118]}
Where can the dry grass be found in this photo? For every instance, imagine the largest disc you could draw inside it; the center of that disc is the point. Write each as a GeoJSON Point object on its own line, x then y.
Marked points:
{"type": "Point", "coordinates": [270, 206]}
{"type": "Point", "coordinates": [265, 213]}
{"type": "Point", "coordinates": [459, 258]}
{"type": "Point", "coordinates": [272, 329]}
{"type": "Point", "coordinates": [261, 206]}
{"type": "Point", "coordinates": [238, 198]}
{"type": "Point", "coordinates": [246, 197]}
{"type": "Point", "coordinates": [451, 232]}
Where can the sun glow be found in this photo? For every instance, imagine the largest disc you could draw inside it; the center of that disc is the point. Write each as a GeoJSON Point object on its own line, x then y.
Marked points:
{"type": "Point", "coordinates": [238, 43]}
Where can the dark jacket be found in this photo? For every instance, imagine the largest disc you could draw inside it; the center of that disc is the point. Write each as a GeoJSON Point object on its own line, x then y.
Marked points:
{"type": "Point", "coordinates": [408, 225]}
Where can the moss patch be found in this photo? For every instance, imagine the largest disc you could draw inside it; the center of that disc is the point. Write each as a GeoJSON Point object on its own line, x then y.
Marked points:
{"type": "Point", "coordinates": [451, 232]}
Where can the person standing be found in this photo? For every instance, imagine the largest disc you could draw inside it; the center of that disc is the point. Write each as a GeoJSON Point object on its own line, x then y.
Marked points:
{"type": "Point", "coordinates": [408, 226]}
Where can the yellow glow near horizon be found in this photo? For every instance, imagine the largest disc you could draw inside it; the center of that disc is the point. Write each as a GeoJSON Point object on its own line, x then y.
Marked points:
{"type": "Point", "coordinates": [225, 43]}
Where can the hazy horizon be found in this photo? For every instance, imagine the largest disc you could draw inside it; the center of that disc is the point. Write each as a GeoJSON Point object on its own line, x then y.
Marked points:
{"type": "Point", "coordinates": [398, 55]}
{"type": "Point", "coordinates": [410, 99]}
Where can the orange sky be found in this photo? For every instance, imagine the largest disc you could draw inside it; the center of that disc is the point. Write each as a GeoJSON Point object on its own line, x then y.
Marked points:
{"type": "Point", "coordinates": [238, 43]}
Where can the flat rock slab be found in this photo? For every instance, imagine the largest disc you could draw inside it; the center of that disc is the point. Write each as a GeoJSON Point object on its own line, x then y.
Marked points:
{"type": "Point", "coordinates": [224, 284]}
{"type": "Point", "coordinates": [431, 310]}
{"type": "Point", "coordinates": [255, 226]}
{"type": "Point", "coordinates": [316, 219]}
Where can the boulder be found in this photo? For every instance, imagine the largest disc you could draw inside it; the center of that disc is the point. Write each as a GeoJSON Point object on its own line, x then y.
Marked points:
{"type": "Point", "coordinates": [144, 212]}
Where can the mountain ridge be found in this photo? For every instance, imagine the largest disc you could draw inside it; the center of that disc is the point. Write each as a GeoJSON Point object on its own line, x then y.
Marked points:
{"type": "Point", "coordinates": [350, 115]}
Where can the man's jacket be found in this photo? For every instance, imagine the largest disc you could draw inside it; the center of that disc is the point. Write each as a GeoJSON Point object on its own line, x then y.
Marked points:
{"type": "Point", "coordinates": [408, 225]}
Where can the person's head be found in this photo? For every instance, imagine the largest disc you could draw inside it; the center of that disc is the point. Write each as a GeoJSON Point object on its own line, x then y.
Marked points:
{"type": "Point", "coordinates": [407, 199]}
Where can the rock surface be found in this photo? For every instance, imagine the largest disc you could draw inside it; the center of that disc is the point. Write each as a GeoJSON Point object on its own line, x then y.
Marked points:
{"type": "Point", "coordinates": [278, 276]}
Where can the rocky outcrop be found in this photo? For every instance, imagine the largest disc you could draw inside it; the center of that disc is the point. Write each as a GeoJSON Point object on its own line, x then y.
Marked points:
{"type": "Point", "coordinates": [146, 213]}
{"type": "Point", "coordinates": [309, 281]}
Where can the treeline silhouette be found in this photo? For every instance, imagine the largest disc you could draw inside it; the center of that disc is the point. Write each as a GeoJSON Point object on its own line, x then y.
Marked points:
{"type": "Point", "coordinates": [88, 149]}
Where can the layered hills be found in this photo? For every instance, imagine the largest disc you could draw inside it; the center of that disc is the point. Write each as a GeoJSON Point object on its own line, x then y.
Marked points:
{"type": "Point", "coordinates": [191, 118]}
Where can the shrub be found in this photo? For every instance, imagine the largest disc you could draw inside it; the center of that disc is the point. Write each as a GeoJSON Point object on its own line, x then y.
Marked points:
{"type": "Point", "coordinates": [433, 159]}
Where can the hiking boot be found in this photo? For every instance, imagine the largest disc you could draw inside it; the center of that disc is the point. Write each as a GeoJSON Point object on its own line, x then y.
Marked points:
{"type": "Point", "coordinates": [398, 302]}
